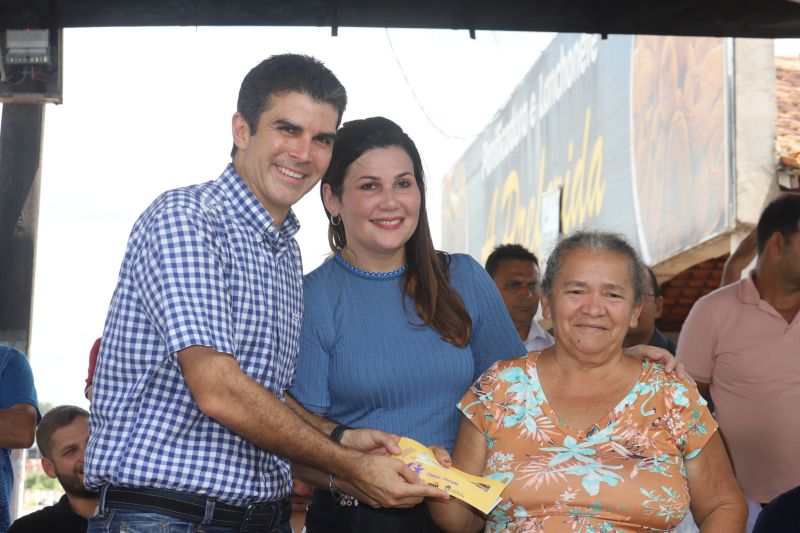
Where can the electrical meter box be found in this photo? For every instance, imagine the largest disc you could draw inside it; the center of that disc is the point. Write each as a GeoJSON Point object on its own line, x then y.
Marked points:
{"type": "Point", "coordinates": [31, 66]}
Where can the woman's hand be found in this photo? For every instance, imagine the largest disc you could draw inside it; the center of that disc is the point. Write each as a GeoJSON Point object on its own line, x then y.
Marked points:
{"type": "Point", "coordinates": [301, 495]}
{"type": "Point", "coordinates": [660, 356]}
{"type": "Point", "coordinates": [454, 516]}
{"type": "Point", "coordinates": [441, 455]}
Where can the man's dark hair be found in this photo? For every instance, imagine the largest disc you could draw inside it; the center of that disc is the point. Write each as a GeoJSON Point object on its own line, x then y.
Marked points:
{"type": "Point", "coordinates": [781, 215]}
{"type": "Point", "coordinates": [653, 281]}
{"type": "Point", "coordinates": [287, 73]}
{"type": "Point", "coordinates": [55, 419]}
{"type": "Point", "coordinates": [506, 252]}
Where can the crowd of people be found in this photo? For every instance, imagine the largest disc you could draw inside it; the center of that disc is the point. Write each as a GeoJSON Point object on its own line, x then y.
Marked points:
{"type": "Point", "coordinates": [223, 373]}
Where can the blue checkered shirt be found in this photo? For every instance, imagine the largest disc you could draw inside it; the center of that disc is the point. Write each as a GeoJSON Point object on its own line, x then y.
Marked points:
{"type": "Point", "coordinates": [204, 266]}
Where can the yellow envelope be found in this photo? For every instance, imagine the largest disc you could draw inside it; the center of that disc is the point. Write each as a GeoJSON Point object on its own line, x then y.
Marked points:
{"type": "Point", "coordinates": [483, 493]}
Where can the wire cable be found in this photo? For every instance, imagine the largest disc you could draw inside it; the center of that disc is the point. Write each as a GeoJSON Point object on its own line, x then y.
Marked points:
{"type": "Point", "coordinates": [417, 99]}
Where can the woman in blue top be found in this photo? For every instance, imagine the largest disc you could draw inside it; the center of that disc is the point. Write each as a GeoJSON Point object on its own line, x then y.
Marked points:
{"type": "Point", "coordinates": [393, 330]}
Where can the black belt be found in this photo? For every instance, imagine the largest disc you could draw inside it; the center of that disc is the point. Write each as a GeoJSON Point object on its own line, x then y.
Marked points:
{"type": "Point", "coordinates": [192, 507]}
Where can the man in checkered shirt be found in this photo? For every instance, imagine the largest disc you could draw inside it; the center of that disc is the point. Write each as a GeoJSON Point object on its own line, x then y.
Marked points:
{"type": "Point", "coordinates": [188, 423]}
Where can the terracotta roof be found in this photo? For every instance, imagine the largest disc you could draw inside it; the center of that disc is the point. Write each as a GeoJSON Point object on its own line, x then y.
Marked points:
{"type": "Point", "coordinates": [787, 134]}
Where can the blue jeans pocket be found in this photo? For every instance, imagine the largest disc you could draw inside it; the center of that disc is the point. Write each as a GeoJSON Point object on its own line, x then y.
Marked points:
{"type": "Point", "coordinates": [114, 521]}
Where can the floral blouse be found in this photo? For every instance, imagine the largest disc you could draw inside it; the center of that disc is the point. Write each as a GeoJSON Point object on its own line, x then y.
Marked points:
{"type": "Point", "coordinates": [625, 474]}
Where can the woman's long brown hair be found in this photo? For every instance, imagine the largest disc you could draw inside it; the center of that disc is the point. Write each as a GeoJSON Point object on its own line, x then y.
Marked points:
{"type": "Point", "coordinates": [426, 281]}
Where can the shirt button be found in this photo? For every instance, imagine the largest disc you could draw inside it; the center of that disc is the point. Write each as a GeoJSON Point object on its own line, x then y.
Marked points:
{"type": "Point", "coordinates": [270, 229]}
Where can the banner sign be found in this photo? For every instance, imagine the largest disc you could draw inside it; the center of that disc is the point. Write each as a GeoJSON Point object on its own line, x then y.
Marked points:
{"type": "Point", "coordinates": [633, 131]}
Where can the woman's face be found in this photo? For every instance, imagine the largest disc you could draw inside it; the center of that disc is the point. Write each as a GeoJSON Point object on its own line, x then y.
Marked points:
{"type": "Point", "coordinates": [379, 205]}
{"type": "Point", "coordinates": [592, 303]}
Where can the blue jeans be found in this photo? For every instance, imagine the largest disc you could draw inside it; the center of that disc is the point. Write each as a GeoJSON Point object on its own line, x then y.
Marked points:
{"type": "Point", "coordinates": [117, 521]}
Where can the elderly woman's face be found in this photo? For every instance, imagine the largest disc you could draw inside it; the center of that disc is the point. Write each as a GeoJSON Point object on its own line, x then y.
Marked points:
{"type": "Point", "coordinates": [593, 302]}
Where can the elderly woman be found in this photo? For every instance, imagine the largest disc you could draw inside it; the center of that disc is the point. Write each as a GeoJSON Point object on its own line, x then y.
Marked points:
{"type": "Point", "coordinates": [588, 438]}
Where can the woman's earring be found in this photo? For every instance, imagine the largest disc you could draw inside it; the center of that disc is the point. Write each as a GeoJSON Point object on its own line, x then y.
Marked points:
{"type": "Point", "coordinates": [336, 220]}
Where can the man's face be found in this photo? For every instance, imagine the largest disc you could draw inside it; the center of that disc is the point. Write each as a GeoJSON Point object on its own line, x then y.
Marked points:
{"type": "Point", "coordinates": [517, 280]}
{"type": "Point", "coordinates": [289, 152]}
{"type": "Point", "coordinates": [68, 445]}
{"type": "Point", "coordinates": [651, 310]}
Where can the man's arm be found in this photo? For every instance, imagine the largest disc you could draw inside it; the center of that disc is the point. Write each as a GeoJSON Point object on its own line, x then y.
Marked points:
{"type": "Point", "coordinates": [739, 259]}
{"type": "Point", "coordinates": [364, 440]}
{"type": "Point", "coordinates": [697, 343]}
{"type": "Point", "coordinates": [223, 392]}
{"type": "Point", "coordinates": [319, 422]}
{"type": "Point", "coordinates": [17, 392]}
{"type": "Point", "coordinates": [17, 426]}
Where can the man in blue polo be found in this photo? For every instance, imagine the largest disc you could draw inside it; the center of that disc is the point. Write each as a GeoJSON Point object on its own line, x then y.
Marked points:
{"type": "Point", "coordinates": [188, 423]}
{"type": "Point", "coordinates": [19, 413]}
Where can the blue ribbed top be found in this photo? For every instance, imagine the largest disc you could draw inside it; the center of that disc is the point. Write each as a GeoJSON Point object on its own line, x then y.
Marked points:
{"type": "Point", "coordinates": [365, 362]}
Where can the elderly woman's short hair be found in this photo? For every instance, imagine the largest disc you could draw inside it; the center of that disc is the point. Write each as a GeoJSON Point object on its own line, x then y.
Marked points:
{"type": "Point", "coordinates": [596, 241]}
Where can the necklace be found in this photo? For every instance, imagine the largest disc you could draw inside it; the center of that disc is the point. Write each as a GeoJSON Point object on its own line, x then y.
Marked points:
{"type": "Point", "coordinates": [367, 274]}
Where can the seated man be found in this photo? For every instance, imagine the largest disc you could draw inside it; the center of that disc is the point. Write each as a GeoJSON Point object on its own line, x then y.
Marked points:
{"type": "Point", "coordinates": [62, 436]}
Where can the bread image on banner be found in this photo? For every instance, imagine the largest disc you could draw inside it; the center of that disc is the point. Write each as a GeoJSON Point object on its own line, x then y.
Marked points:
{"type": "Point", "coordinates": [680, 145]}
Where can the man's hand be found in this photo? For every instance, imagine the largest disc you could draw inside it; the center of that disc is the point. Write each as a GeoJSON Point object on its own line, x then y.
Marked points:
{"type": "Point", "coordinates": [381, 481]}
{"type": "Point", "coordinates": [220, 388]}
{"type": "Point", "coordinates": [660, 356]}
{"type": "Point", "coordinates": [371, 441]}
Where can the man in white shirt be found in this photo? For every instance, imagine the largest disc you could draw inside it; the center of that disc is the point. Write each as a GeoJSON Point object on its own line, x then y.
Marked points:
{"type": "Point", "coordinates": [515, 271]}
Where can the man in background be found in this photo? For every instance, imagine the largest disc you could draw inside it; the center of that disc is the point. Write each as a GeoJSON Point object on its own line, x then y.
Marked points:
{"type": "Point", "coordinates": [645, 331]}
{"type": "Point", "coordinates": [19, 412]}
{"type": "Point", "coordinates": [515, 271]}
{"type": "Point", "coordinates": [741, 343]}
{"type": "Point", "coordinates": [62, 436]}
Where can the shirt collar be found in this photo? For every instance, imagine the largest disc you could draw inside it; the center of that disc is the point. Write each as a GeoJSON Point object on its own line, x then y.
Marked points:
{"type": "Point", "coordinates": [536, 332]}
{"type": "Point", "coordinates": [253, 213]}
{"type": "Point", "coordinates": [63, 508]}
{"type": "Point", "coordinates": [749, 292]}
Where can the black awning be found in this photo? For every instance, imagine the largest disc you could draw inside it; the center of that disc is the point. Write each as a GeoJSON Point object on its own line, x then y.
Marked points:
{"type": "Point", "coordinates": [740, 18]}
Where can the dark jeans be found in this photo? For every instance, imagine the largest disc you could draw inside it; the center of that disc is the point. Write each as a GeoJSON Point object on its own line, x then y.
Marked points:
{"type": "Point", "coordinates": [325, 515]}
{"type": "Point", "coordinates": [116, 521]}
{"type": "Point", "coordinates": [123, 515]}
